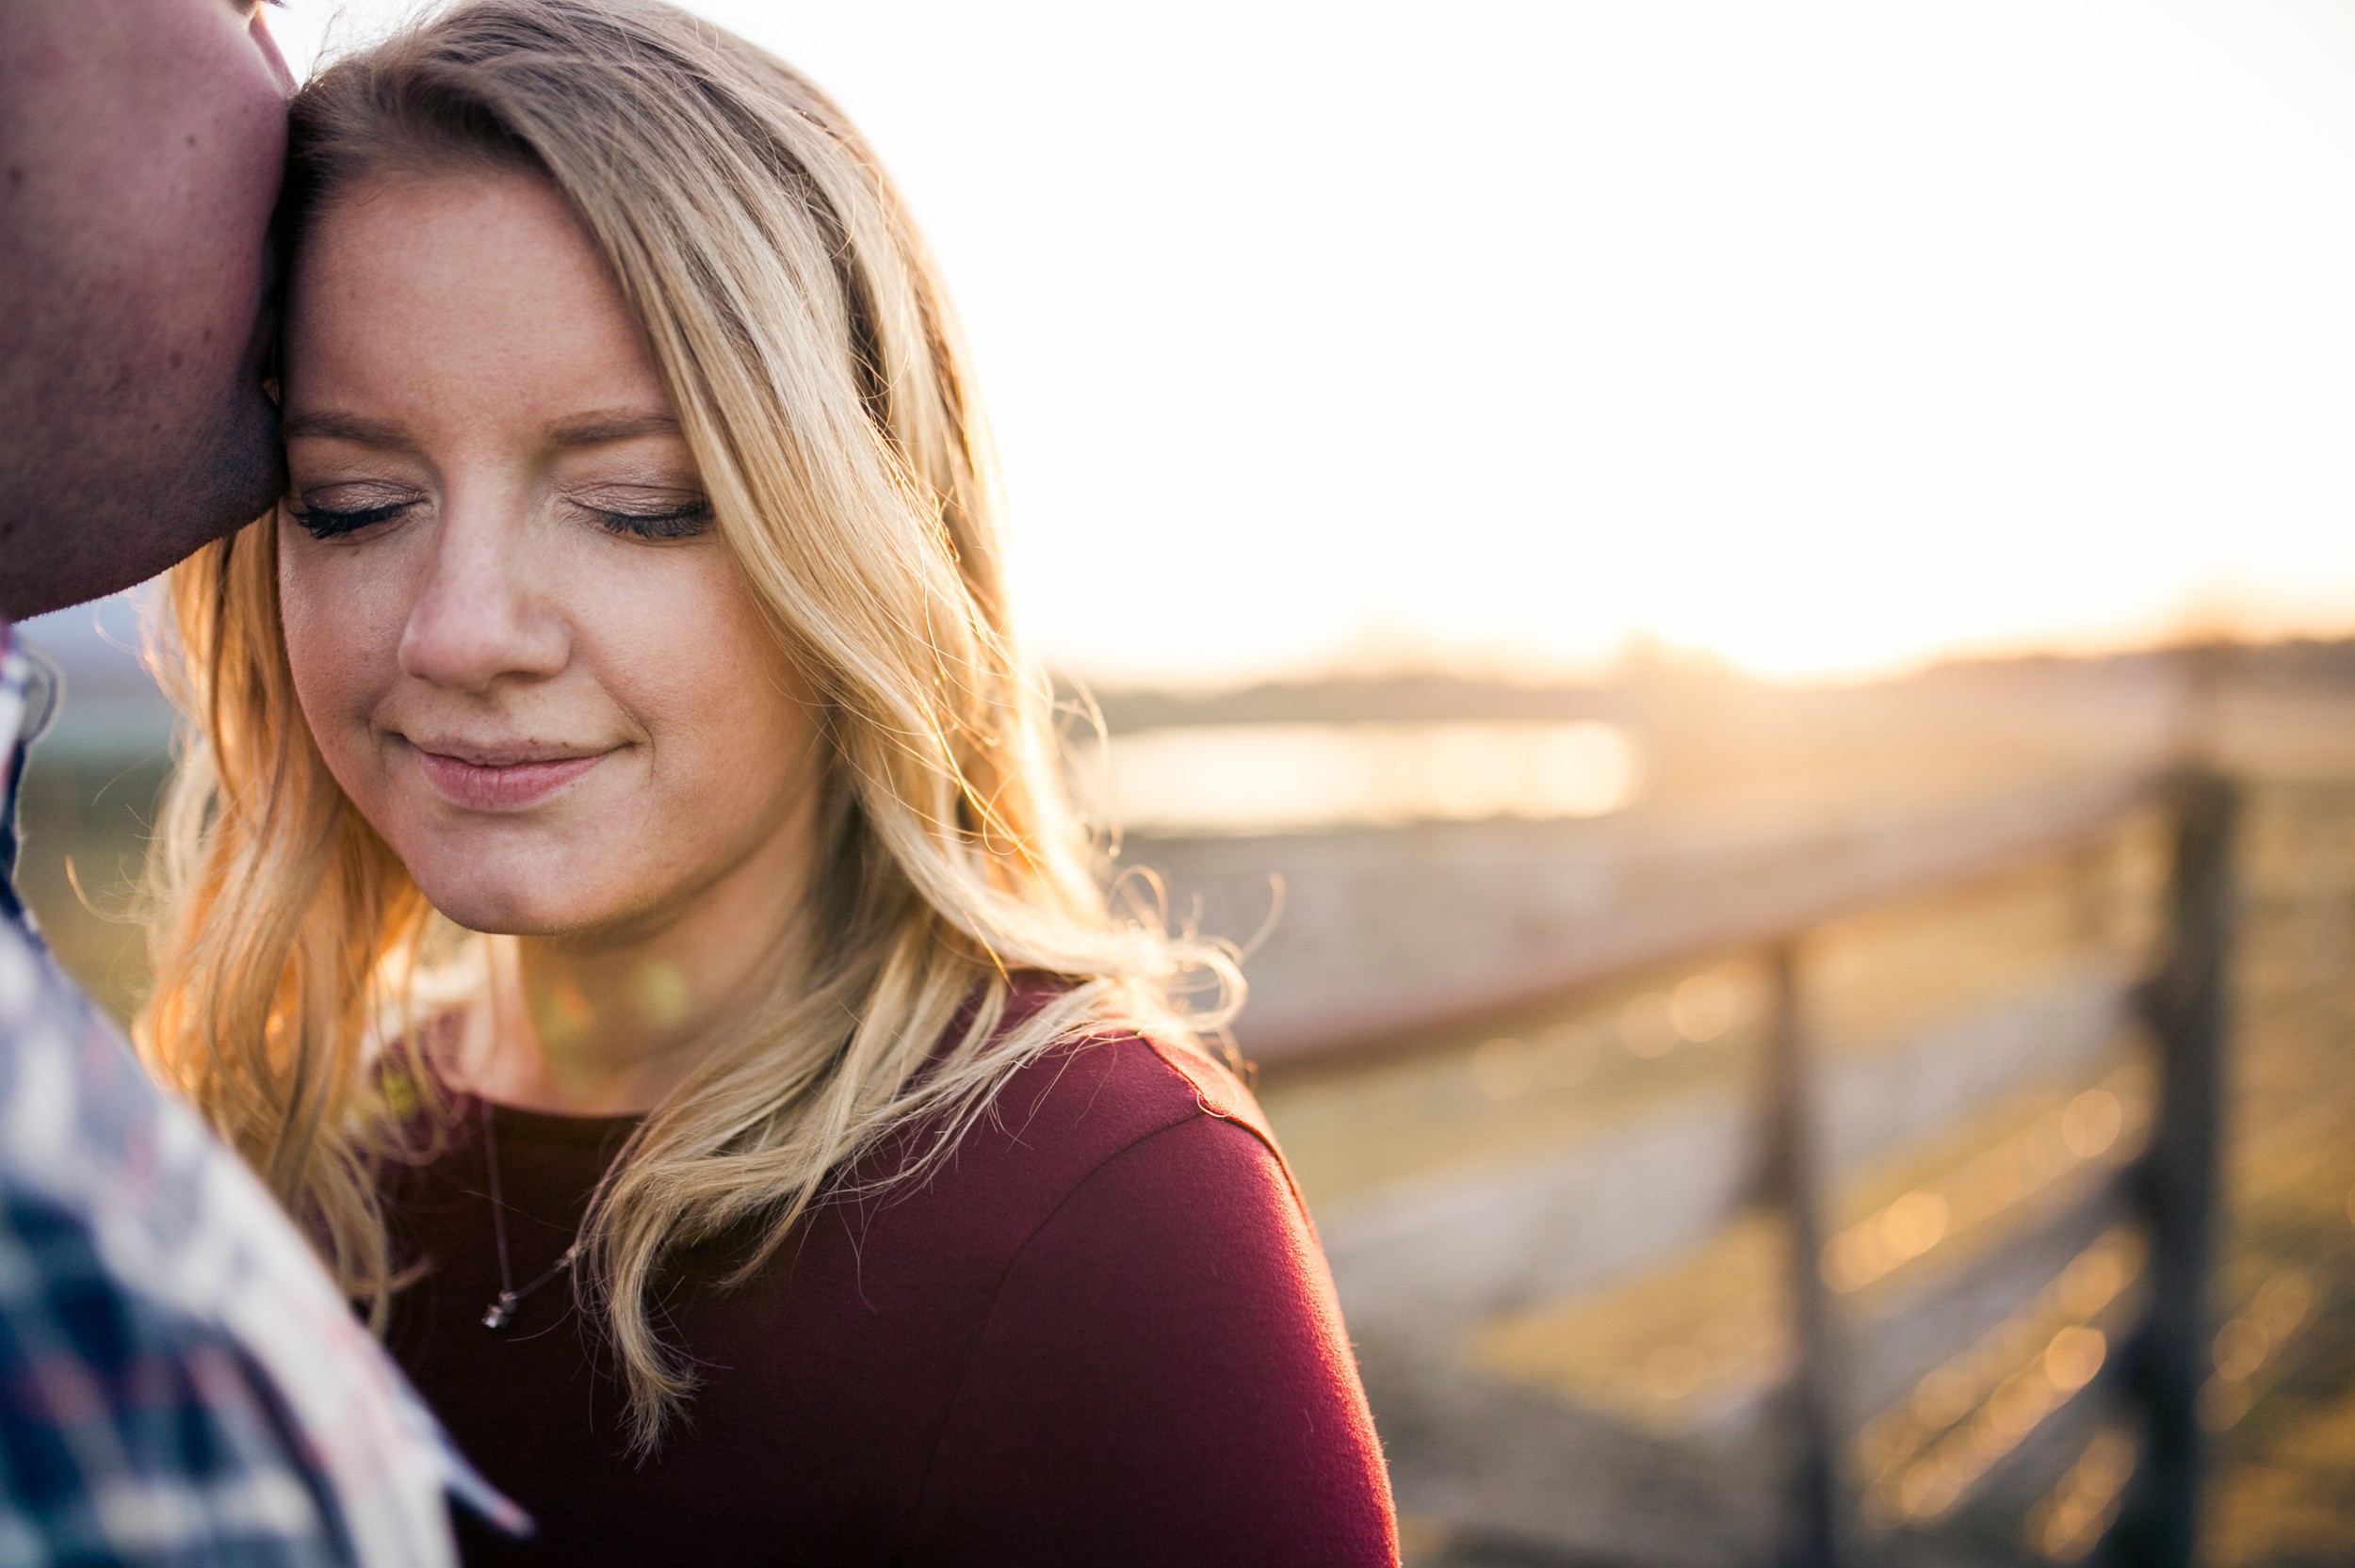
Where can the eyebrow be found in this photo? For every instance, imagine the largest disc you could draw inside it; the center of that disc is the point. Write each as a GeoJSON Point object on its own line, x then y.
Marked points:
{"type": "Point", "coordinates": [595, 430]}
{"type": "Point", "coordinates": [590, 429]}
{"type": "Point", "coordinates": [327, 425]}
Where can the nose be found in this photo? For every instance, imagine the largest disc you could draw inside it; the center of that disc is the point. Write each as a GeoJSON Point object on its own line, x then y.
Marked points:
{"type": "Point", "coordinates": [481, 618]}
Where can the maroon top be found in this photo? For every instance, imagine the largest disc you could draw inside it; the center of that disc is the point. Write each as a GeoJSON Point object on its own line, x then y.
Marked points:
{"type": "Point", "coordinates": [1102, 1332]}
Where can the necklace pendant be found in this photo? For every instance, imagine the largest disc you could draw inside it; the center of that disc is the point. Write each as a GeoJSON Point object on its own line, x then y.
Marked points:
{"type": "Point", "coordinates": [501, 1312]}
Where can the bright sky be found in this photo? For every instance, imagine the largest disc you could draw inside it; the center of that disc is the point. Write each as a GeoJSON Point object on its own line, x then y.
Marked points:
{"type": "Point", "coordinates": [1828, 334]}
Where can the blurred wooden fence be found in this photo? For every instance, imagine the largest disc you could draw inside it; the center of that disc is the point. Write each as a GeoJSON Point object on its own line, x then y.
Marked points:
{"type": "Point", "coordinates": [1848, 1206]}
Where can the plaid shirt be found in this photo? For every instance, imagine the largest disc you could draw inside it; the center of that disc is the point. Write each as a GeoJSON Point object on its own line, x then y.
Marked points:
{"type": "Point", "coordinates": [180, 1382]}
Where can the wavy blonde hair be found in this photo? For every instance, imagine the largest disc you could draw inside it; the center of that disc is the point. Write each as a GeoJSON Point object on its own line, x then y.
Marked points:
{"type": "Point", "coordinates": [816, 371]}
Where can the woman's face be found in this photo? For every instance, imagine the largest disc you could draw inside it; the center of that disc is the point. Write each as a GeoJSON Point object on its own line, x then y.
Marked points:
{"type": "Point", "coordinates": [515, 632]}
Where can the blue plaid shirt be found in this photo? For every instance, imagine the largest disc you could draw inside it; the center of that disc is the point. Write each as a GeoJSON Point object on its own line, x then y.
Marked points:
{"type": "Point", "coordinates": [180, 1382]}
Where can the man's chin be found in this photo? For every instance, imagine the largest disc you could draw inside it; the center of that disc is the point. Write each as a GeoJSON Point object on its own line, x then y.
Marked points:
{"type": "Point", "coordinates": [85, 538]}
{"type": "Point", "coordinates": [41, 591]}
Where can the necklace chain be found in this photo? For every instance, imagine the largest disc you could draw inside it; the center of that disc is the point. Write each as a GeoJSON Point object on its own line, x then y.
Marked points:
{"type": "Point", "coordinates": [501, 1312]}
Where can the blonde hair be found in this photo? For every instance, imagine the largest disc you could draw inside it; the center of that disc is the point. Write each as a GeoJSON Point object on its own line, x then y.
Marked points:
{"type": "Point", "coordinates": [816, 371]}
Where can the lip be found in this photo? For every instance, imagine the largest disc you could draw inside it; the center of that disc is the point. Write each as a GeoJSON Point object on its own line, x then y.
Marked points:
{"type": "Point", "coordinates": [501, 779]}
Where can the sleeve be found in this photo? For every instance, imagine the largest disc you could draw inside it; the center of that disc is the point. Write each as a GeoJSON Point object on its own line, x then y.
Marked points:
{"type": "Point", "coordinates": [1164, 1379]}
{"type": "Point", "coordinates": [130, 1435]}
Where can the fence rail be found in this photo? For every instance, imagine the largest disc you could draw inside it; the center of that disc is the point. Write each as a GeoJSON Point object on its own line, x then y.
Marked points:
{"type": "Point", "coordinates": [1809, 877]}
{"type": "Point", "coordinates": [2174, 1183]}
{"type": "Point", "coordinates": [2159, 1206]}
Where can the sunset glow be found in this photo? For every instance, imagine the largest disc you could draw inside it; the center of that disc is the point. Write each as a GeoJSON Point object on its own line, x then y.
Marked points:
{"type": "Point", "coordinates": [1826, 335]}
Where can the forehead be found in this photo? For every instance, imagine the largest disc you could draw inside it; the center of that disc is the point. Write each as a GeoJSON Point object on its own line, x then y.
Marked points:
{"type": "Point", "coordinates": [472, 293]}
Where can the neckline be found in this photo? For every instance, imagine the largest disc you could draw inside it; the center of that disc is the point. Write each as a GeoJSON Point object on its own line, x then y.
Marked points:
{"type": "Point", "coordinates": [516, 1123]}
{"type": "Point", "coordinates": [519, 1124]}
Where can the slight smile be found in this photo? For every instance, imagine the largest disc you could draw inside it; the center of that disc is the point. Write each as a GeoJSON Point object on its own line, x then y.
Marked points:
{"type": "Point", "coordinates": [501, 779]}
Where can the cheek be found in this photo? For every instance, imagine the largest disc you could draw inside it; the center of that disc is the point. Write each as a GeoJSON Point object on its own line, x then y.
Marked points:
{"type": "Point", "coordinates": [342, 627]}
{"type": "Point", "coordinates": [730, 718]}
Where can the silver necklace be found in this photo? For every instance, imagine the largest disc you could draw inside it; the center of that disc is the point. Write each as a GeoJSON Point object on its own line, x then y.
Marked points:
{"type": "Point", "coordinates": [502, 1312]}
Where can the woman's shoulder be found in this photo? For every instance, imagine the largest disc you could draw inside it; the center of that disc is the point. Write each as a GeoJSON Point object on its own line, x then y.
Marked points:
{"type": "Point", "coordinates": [1101, 1092]}
{"type": "Point", "coordinates": [1130, 1146]}
{"type": "Point", "coordinates": [1159, 1328]}
{"type": "Point", "coordinates": [1110, 1098]}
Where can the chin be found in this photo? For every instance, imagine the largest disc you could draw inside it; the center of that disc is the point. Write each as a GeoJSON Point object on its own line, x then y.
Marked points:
{"type": "Point", "coordinates": [498, 912]}
{"type": "Point", "coordinates": [482, 898]}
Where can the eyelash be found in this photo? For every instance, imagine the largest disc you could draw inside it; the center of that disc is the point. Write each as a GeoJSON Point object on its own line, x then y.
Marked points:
{"type": "Point", "coordinates": [324, 522]}
{"type": "Point", "coordinates": [680, 523]}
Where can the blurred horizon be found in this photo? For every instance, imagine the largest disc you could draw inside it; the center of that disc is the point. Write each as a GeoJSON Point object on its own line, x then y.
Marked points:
{"type": "Point", "coordinates": [1825, 339]}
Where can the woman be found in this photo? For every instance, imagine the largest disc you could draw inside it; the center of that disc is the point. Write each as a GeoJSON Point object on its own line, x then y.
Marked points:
{"type": "Point", "coordinates": [807, 1167]}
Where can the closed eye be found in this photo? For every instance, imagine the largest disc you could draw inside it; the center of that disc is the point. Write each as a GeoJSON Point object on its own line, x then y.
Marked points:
{"type": "Point", "coordinates": [684, 522]}
{"type": "Point", "coordinates": [327, 522]}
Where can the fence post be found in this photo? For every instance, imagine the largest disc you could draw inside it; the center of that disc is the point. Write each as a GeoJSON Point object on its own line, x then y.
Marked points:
{"type": "Point", "coordinates": [1809, 1527]}
{"type": "Point", "coordinates": [2189, 1001]}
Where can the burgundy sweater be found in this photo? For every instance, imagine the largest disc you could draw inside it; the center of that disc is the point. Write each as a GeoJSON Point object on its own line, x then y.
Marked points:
{"type": "Point", "coordinates": [1103, 1333]}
